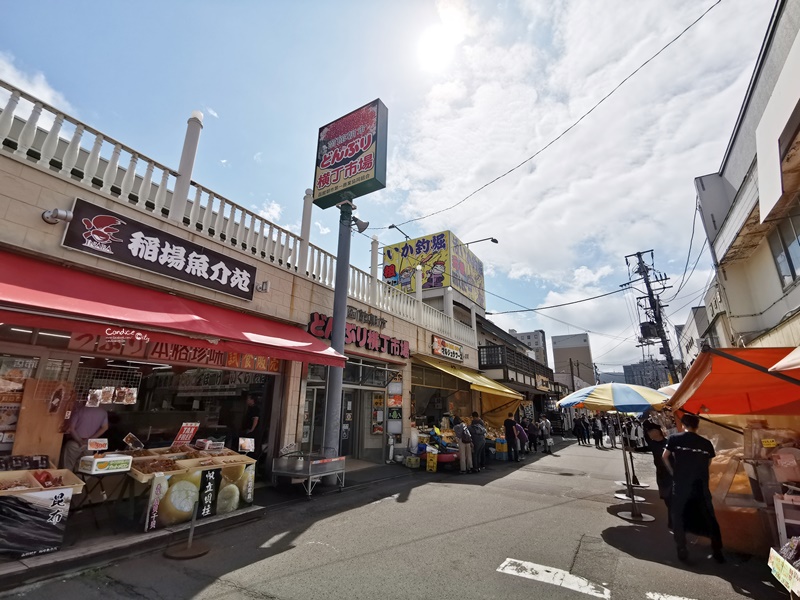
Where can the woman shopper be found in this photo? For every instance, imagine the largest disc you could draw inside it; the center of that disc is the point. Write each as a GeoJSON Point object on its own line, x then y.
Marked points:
{"type": "Point", "coordinates": [477, 430]}
{"type": "Point", "coordinates": [612, 433]}
{"type": "Point", "coordinates": [522, 439]}
{"type": "Point", "coordinates": [533, 435]}
{"type": "Point", "coordinates": [578, 431]}
{"type": "Point", "coordinates": [597, 432]}
{"type": "Point", "coordinates": [464, 445]}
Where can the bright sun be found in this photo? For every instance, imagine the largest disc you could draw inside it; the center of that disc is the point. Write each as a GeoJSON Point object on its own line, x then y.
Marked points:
{"type": "Point", "coordinates": [437, 47]}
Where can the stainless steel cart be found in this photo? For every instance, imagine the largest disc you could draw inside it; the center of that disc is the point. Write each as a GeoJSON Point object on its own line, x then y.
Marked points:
{"type": "Point", "coordinates": [310, 468]}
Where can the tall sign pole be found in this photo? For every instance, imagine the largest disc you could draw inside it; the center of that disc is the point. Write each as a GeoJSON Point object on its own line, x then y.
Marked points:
{"type": "Point", "coordinates": [351, 162]}
{"type": "Point", "coordinates": [333, 397]}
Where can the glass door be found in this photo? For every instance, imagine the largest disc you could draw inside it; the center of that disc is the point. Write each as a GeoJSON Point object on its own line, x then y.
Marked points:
{"type": "Point", "coordinates": [349, 423]}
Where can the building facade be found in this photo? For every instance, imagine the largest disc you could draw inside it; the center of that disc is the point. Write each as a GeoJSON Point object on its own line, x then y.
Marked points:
{"type": "Point", "coordinates": [572, 355]}
{"type": "Point", "coordinates": [750, 208]}
{"type": "Point", "coordinates": [649, 373]}
{"type": "Point", "coordinates": [536, 341]}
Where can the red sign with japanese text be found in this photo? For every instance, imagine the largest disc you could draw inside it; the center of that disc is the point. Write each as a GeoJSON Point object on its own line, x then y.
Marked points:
{"type": "Point", "coordinates": [186, 434]}
{"type": "Point", "coordinates": [351, 155]}
{"type": "Point", "coordinates": [321, 326]}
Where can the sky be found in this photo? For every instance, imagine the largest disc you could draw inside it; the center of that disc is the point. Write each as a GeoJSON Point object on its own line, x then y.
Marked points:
{"type": "Point", "coordinates": [473, 89]}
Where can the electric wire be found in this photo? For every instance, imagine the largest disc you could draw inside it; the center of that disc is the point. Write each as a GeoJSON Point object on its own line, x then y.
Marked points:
{"type": "Point", "coordinates": [568, 129]}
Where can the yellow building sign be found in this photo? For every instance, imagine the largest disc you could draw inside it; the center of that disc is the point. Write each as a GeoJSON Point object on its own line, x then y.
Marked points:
{"type": "Point", "coordinates": [445, 261]}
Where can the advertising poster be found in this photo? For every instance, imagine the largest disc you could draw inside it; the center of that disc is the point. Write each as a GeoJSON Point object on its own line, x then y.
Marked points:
{"type": "Point", "coordinates": [351, 155]}
{"type": "Point", "coordinates": [33, 522]}
{"type": "Point", "coordinates": [186, 434]}
{"type": "Point", "coordinates": [445, 261]}
{"type": "Point", "coordinates": [217, 491]}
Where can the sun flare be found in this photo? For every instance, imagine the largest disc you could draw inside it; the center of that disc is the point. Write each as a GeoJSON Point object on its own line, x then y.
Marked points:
{"type": "Point", "coordinates": [437, 47]}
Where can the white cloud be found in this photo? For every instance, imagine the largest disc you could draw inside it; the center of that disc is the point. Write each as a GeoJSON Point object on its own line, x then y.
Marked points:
{"type": "Point", "coordinates": [271, 211]}
{"type": "Point", "coordinates": [257, 157]}
{"type": "Point", "coordinates": [34, 84]}
{"type": "Point", "coordinates": [619, 182]}
{"type": "Point", "coordinates": [322, 229]}
{"type": "Point", "coordinates": [212, 112]}
{"type": "Point", "coordinates": [224, 162]}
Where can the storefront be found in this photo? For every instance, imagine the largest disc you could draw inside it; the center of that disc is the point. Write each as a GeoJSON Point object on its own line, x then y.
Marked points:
{"type": "Point", "coordinates": [165, 370]}
{"type": "Point", "coordinates": [372, 388]}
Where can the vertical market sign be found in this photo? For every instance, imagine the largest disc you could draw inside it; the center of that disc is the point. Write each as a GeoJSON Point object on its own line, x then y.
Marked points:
{"type": "Point", "coordinates": [351, 155]}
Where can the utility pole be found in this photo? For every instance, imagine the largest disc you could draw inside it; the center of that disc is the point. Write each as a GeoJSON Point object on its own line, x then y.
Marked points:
{"type": "Point", "coordinates": [572, 374]}
{"type": "Point", "coordinates": [655, 307]}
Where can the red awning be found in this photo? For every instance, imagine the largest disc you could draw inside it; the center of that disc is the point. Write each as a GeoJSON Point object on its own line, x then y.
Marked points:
{"type": "Point", "coordinates": [737, 381]}
{"type": "Point", "coordinates": [49, 296]}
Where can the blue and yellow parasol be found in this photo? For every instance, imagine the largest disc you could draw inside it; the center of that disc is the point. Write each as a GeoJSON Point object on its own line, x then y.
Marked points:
{"type": "Point", "coordinates": [622, 397]}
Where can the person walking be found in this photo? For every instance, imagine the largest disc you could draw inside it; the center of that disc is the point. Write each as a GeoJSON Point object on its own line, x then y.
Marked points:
{"type": "Point", "coordinates": [692, 454]}
{"type": "Point", "coordinates": [579, 432]}
{"type": "Point", "coordinates": [597, 432]}
{"type": "Point", "coordinates": [477, 429]}
{"type": "Point", "coordinates": [464, 445]}
{"type": "Point", "coordinates": [546, 434]}
{"type": "Point", "coordinates": [510, 426]}
{"type": "Point", "coordinates": [533, 435]}
{"type": "Point", "coordinates": [612, 433]}
{"type": "Point", "coordinates": [657, 442]}
{"type": "Point", "coordinates": [522, 439]}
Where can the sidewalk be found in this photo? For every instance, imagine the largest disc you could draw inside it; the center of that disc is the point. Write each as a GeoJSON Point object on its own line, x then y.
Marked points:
{"type": "Point", "coordinates": [87, 546]}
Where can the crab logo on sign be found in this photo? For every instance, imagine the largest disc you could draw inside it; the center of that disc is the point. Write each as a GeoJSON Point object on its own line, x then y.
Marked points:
{"type": "Point", "coordinates": [100, 232]}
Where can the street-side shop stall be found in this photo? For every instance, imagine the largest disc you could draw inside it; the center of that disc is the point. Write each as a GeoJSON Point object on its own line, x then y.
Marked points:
{"type": "Point", "coordinates": [166, 382]}
{"type": "Point", "coordinates": [751, 413]}
{"type": "Point", "coordinates": [441, 391]}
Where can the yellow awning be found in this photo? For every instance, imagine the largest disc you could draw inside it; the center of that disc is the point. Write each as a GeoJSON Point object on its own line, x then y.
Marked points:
{"type": "Point", "coordinates": [476, 381]}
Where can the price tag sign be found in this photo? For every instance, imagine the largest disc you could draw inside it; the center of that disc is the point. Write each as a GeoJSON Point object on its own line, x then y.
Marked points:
{"type": "Point", "coordinates": [98, 444]}
{"type": "Point", "coordinates": [247, 445]}
{"type": "Point", "coordinates": [133, 442]}
{"type": "Point", "coordinates": [186, 434]}
{"type": "Point", "coordinates": [769, 443]}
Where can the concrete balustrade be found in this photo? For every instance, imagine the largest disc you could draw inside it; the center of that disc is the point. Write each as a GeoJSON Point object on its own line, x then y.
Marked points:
{"type": "Point", "coordinates": [61, 149]}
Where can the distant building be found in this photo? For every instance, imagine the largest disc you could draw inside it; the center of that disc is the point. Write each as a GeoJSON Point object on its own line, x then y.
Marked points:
{"type": "Point", "coordinates": [650, 373]}
{"type": "Point", "coordinates": [573, 350]}
{"type": "Point", "coordinates": [611, 377]}
{"type": "Point", "coordinates": [535, 340]}
{"type": "Point", "coordinates": [689, 336]}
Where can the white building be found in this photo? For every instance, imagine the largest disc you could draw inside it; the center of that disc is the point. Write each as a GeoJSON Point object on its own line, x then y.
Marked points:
{"type": "Point", "coordinates": [690, 335]}
{"type": "Point", "coordinates": [573, 355]}
{"type": "Point", "coordinates": [750, 207]}
{"type": "Point", "coordinates": [535, 340]}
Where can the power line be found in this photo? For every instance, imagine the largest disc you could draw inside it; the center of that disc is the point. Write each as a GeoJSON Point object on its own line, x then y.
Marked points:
{"type": "Point", "coordinates": [571, 127]}
{"type": "Point", "coordinates": [688, 254]}
{"type": "Point", "coordinates": [506, 312]}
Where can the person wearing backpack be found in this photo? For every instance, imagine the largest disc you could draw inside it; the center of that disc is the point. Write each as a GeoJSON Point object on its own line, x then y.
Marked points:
{"type": "Point", "coordinates": [464, 445]}
{"type": "Point", "coordinates": [477, 430]}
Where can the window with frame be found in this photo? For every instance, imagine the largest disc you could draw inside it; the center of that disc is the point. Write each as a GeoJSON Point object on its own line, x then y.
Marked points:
{"type": "Point", "coordinates": [784, 243]}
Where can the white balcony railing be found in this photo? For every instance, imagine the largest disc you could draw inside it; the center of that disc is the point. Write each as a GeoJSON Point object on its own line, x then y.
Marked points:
{"type": "Point", "coordinates": [35, 131]}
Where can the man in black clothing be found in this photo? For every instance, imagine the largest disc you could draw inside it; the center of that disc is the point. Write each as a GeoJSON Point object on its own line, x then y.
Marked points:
{"type": "Point", "coordinates": [511, 437]}
{"type": "Point", "coordinates": [692, 454]}
{"type": "Point", "coordinates": [251, 421]}
{"type": "Point", "coordinates": [477, 430]}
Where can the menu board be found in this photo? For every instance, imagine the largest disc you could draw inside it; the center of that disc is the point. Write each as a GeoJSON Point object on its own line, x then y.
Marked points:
{"type": "Point", "coordinates": [35, 521]}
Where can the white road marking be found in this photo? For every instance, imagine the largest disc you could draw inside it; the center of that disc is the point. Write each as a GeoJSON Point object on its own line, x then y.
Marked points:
{"type": "Point", "coordinates": [392, 497]}
{"type": "Point", "coordinates": [274, 540]}
{"type": "Point", "coordinates": [657, 596]}
{"type": "Point", "coordinates": [557, 577]}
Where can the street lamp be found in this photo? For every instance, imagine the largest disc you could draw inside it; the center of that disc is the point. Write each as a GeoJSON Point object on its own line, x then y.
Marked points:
{"type": "Point", "coordinates": [393, 226]}
{"type": "Point", "coordinates": [493, 240]}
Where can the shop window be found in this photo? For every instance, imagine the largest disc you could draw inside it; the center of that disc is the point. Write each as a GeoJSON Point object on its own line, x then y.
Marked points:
{"type": "Point", "coordinates": [57, 369]}
{"type": "Point", "coordinates": [316, 373]}
{"type": "Point", "coordinates": [450, 381]}
{"type": "Point", "coordinates": [352, 372]}
{"type": "Point", "coordinates": [433, 378]}
{"type": "Point", "coordinates": [417, 375]}
{"type": "Point", "coordinates": [784, 243]}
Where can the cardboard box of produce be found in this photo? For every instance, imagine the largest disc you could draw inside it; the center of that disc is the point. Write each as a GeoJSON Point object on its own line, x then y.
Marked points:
{"type": "Point", "coordinates": [108, 463]}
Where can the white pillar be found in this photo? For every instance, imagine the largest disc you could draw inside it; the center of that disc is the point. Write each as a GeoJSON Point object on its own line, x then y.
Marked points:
{"type": "Point", "coordinates": [373, 271]}
{"type": "Point", "coordinates": [110, 174]}
{"type": "Point", "coordinates": [181, 191]}
{"type": "Point", "coordinates": [28, 131]}
{"type": "Point", "coordinates": [7, 117]}
{"type": "Point", "coordinates": [51, 142]}
{"type": "Point", "coordinates": [90, 169]}
{"type": "Point", "coordinates": [448, 301]}
{"type": "Point", "coordinates": [305, 231]}
{"type": "Point", "coordinates": [418, 292]}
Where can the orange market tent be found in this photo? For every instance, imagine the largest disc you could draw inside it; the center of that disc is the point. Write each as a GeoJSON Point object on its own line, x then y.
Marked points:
{"type": "Point", "coordinates": [737, 381]}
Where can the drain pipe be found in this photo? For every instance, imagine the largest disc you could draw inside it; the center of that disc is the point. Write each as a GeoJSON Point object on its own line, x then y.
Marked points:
{"type": "Point", "coordinates": [177, 210]}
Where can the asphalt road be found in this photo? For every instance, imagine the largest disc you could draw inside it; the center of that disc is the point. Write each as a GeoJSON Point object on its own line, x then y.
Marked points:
{"type": "Point", "coordinates": [546, 528]}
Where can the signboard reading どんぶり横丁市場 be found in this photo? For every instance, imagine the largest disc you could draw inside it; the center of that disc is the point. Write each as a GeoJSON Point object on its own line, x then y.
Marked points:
{"type": "Point", "coordinates": [351, 156]}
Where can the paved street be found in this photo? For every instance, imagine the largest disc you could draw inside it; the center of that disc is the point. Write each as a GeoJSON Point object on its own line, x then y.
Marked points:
{"type": "Point", "coordinates": [549, 525]}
